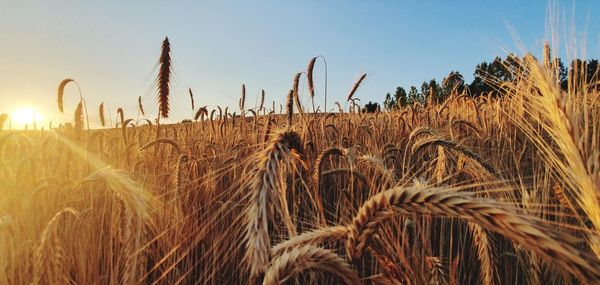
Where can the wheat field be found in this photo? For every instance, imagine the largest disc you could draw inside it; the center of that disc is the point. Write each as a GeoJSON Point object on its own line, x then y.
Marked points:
{"type": "Point", "coordinates": [471, 190]}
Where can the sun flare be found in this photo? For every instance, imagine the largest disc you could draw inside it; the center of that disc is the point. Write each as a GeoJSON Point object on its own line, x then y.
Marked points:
{"type": "Point", "coordinates": [25, 116]}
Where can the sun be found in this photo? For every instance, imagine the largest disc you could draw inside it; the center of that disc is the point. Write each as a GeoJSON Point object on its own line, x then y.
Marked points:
{"type": "Point", "coordinates": [26, 117]}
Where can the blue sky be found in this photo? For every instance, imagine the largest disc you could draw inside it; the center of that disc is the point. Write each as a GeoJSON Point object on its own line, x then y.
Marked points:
{"type": "Point", "coordinates": [111, 47]}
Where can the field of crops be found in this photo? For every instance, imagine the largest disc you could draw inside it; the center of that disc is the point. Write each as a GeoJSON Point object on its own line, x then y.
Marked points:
{"type": "Point", "coordinates": [472, 190]}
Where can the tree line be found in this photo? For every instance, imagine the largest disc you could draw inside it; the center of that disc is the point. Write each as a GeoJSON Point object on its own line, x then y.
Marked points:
{"type": "Point", "coordinates": [485, 79]}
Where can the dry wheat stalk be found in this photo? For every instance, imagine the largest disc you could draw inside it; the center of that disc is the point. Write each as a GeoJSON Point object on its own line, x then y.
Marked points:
{"type": "Point", "coordinates": [315, 237]}
{"type": "Point", "coordinates": [321, 159]}
{"type": "Point", "coordinates": [191, 98]}
{"type": "Point", "coordinates": [351, 172]}
{"type": "Point", "coordinates": [425, 142]}
{"type": "Point", "coordinates": [262, 100]}
{"type": "Point", "coordinates": [163, 140]}
{"type": "Point", "coordinates": [243, 98]}
{"type": "Point", "coordinates": [3, 118]}
{"type": "Point", "coordinates": [436, 270]}
{"type": "Point", "coordinates": [141, 106]}
{"type": "Point", "coordinates": [290, 108]}
{"type": "Point", "coordinates": [79, 116]}
{"type": "Point", "coordinates": [180, 174]}
{"type": "Point", "coordinates": [139, 206]}
{"type": "Point", "coordinates": [484, 253]}
{"type": "Point", "coordinates": [355, 86]}
{"type": "Point", "coordinates": [101, 112]}
{"type": "Point", "coordinates": [266, 191]}
{"type": "Point", "coordinates": [202, 111]}
{"type": "Point", "coordinates": [521, 228]}
{"type": "Point", "coordinates": [547, 56]}
{"type": "Point", "coordinates": [309, 257]}
{"type": "Point", "coordinates": [317, 179]}
{"type": "Point", "coordinates": [296, 94]}
{"type": "Point", "coordinates": [440, 168]}
{"type": "Point", "coordinates": [309, 76]}
{"type": "Point", "coordinates": [121, 115]}
{"type": "Point", "coordinates": [49, 256]}
{"type": "Point", "coordinates": [61, 92]}
{"type": "Point", "coordinates": [163, 79]}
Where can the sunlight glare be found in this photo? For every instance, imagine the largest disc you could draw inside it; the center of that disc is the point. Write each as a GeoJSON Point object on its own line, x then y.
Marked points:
{"type": "Point", "coordinates": [23, 116]}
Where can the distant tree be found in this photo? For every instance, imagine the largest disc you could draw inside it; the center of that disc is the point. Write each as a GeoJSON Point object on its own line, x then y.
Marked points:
{"type": "Point", "coordinates": [400, 97]}
{"type": "Point", "coordinates": [578, 73]}
{"type": "Point", "coordinates": [432, 91]}
{"type": "Point", "coordinates": [372, 107]}
{"type": "Point", "coordinates": [488, 75]}
{"type": "Point", "coordinates": [453, 82]}
{"type": "Point", "coordinates": [389, 102]}
{"type": "Point", "coordinates": [399, 100]}
{"type": "Point", "coordinates": [592, 71]}
{"type": "Point", "coordinates": [414, 96]}
{"type": "Point", "coordinates": [479, 85]}
{"type": "Point", "coordinates": [562, 74]}
{"type": "Point", "coordinates": [425, 89]}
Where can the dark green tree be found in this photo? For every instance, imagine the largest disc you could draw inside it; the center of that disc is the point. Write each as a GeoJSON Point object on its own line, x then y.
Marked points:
{"type": "Point", "coordinates": [425, 89]}
{"type": "Point", "coordinates": [488, 75]}
{"type": "Point", "coordinates": [432, 91]}
{"type": "Point", "coordinates": [372, 107]}
{"type": "Point", "coordinates": [562, 73]}
{"type": "Point", "coordinates": [454, 81]}
{"type": "Point", "coordinates": [389, 102]}
{"type": "Point", "coordinates": [400, 97]}
{"type": "Point", "coordinates": [414, 96]}
{"type": "Point", "coordinates": [592, 71]}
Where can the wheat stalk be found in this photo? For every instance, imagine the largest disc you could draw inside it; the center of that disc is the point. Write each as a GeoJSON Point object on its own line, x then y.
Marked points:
{"type": "Point", "coordinates": [262, 100]}
{"type": "Point", "coordinates": [355, 86]}
{"type": "Point", "coordinates": [290, 108]}
{"type": "Point", "coordinates": [437, 141]}
{"type": "Point", "coordinates": [296, 94]}
{"type": "Point", "coordinates": [141, 106]}
{"type": "Point", "coordinates": [484, 253]}
{"type": "Point", "coordinates": [79, 116]}
{"type": "Point", "coordinates": [520, 228]}
{"type": "Point", "coordinates": [309, 257]}
{"type": "Point", "coordinates": [309, 76]}
{"type": "Point", "coordinates": [267, 190]}
{"type": "Point", "coordinates": [318, 236]}
{"type": "Point", "coordinates": [3, 118]}
{"type": "Point", "coordinates": [121, 115]}
{"type": "Point", "coordinates": [163, 140]}
{"type": "Point", "coordinates": [202, 111]}
{"type": "Point", "coordinates": [61, 92]}
{"type": "Point", "coordinates": [163, 79]}
{"type": "Point", "coordinates": [101, 113]}
{"type": "Point", "coordinates": [49, 255]}
{"type": "Point", "coordinates": [191, 98]}
{"type": "Point", "coordinates": [547, 56]}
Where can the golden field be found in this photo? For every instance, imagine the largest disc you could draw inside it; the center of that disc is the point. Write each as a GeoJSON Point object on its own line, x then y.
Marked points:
{"type": "Point", "coordinates": [471, 190]}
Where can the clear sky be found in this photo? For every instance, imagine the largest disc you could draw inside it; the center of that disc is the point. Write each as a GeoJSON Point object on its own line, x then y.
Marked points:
{"type": "Point", "coordinates": [112, 47]}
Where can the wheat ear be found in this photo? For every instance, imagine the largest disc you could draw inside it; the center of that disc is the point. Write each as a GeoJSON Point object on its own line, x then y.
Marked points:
{"type": "Point", "coordinates": [521, 228]}
{"type": "Point", "coordinates": [164, 77]}
{"type": "Point", "coordinates": [141, 106]}
{"type": "Point", "coordinates": [318, 236]}
{"type": "Point", "coordinates": [309, 257]}
{"type": "Point", "coordinates": [266, 191]}
{"type": "Point", "coordinates": [101, 112]}
{"type": "Point", "coordinates": [191, 98]}
{"type": "Point", "coordinates": [61, 92]}
{"type": "Point", "coordinates": [355, 86]}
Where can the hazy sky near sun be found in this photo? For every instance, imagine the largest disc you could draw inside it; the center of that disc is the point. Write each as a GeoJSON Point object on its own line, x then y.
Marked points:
{"type": "Point", "coordinates": [112, 47]}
